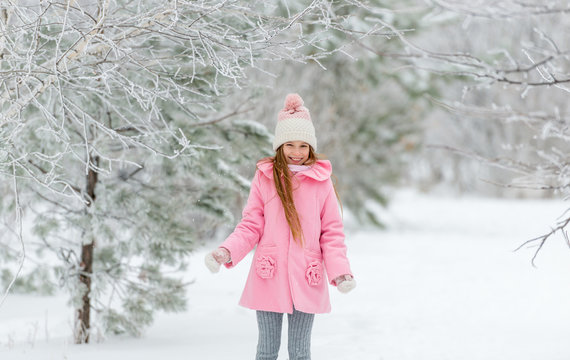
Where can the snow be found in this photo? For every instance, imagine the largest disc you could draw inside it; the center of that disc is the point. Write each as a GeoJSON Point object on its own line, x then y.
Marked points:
{"type": "Point", "coordinates": [442, 283]}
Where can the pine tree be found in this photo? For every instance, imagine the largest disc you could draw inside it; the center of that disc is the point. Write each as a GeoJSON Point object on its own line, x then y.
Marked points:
{"type": "Point", "coordinates": [119, 120]}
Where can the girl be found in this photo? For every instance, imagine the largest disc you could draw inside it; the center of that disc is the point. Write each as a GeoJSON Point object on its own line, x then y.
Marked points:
{"type": "Point", "coordinates": [292, 216]}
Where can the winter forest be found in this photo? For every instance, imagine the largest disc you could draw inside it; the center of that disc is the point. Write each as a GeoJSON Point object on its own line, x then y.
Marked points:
{"type": "Point", "coordinates": [129, 134]}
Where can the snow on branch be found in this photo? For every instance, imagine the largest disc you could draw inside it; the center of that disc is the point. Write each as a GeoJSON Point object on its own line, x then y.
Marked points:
{"type": "Point", "coordinates": [97, 98]}
{"type": "Point", "coordinates": [506, 66]}
{"type": "Point", "coordinates": [92, 76]}
{"type": "Point", "coordinates": [539, 60]}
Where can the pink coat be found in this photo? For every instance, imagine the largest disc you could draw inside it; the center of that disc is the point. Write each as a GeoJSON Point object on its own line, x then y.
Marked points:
{"type": "Point", "coordinates": [283, 273]}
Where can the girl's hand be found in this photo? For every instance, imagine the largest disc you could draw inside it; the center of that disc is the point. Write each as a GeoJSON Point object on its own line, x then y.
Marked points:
{"type": "Point", "coordinates": [216, 258]}
{"type": "Point", "coordinates": [345, 283]}
{"type": "Point", "coordinates": [222, 255]}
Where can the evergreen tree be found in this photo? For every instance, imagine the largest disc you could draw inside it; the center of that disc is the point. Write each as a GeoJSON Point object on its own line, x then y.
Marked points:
{"type": "Point", "coordinates": [110, 118]}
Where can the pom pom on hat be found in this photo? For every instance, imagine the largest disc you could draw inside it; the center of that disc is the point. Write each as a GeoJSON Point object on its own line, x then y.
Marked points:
{"type": "Point", "coordinates": [294, 123]}
{"type": "Point", "coordinates": [293, 102]}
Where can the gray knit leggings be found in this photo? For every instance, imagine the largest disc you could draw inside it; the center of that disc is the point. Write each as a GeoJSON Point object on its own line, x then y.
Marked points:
{"type": "Point", "coordinates": [299, 336]}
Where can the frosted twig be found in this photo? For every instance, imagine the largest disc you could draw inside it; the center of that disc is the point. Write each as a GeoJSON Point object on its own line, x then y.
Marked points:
{"type": "Point", "coordinates": [542, 239]}
{"type": "Point", "coordinates": [237, 111]}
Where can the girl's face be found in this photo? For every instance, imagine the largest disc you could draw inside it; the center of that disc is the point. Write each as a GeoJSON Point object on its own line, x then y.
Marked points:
{"type": "Point", "coordinates": [296, 152]}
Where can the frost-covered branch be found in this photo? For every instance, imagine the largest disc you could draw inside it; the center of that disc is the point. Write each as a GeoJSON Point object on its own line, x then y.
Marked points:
{"type": "Point", "coordinates": [532, 166]}
{"type": "Point", "coordinates": [541, 67]}
{"type": "Point", "coordinates": [61, 57]}
{"type": "Point", "coordinates": [504, 72]}
{"type": "Point", "coordinates": [113, 118]}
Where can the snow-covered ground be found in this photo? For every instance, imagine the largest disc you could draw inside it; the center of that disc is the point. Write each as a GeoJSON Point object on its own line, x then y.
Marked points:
{"type": "Point", "coordinates": [442, 283]}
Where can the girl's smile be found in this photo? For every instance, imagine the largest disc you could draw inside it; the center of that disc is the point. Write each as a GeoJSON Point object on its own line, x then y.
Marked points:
{"type": "Point", "coordinates": [296, 152]}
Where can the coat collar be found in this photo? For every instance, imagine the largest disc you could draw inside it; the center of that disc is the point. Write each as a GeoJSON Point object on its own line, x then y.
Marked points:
{"type": "Point", "coordinates": [320, 171]}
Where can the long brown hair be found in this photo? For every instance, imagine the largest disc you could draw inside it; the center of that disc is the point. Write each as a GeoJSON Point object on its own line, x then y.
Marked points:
{"type": "Point", "coordinates": [284, 186]}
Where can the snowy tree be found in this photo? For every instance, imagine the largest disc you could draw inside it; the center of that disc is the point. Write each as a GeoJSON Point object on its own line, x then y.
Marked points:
{"type": "Point", "coordinates": [117, 124]}
{"type": "Point", "coordinates": [507, 74]}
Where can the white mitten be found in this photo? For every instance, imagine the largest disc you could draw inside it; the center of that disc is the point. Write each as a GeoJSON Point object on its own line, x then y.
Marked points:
{"type": "Point", "coordinates": [345, 283]}
{"type": "Point", "coordinates": [216, 258]}
{"type": "Point", "coordinates": [211, 263]}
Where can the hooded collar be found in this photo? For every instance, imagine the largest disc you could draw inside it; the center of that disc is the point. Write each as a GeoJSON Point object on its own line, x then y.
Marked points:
{"type": "Point", "coordinates": [320, 170]}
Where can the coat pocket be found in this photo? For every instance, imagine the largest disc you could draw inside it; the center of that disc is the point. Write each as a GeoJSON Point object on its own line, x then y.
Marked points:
{"type": "Point", "coordinates": [314, 270]}
{"type": "Point", "coordinates": [265, 264]}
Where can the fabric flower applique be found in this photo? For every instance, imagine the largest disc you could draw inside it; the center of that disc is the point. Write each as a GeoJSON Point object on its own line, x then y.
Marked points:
{"type": "Point", "coordinates": [265, 267]}
{"type": "Point", "coordinates": [314, 273]}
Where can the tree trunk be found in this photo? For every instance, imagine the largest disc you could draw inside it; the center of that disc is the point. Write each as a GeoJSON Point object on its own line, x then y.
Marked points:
{"type": "Point", "coordinates": [83, 313]}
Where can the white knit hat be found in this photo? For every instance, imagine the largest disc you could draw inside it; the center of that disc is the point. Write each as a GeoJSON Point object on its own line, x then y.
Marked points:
{"type": "Point", "coordinates": [294, 123]}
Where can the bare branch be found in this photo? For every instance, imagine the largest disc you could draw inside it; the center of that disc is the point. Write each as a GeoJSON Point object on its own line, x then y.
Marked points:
{"type": "Point", "coordinates": [542, 239]}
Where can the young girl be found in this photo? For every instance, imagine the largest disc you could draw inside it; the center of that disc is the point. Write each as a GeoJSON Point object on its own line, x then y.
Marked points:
{"type": "Point", "coordinates": [292, 216]}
